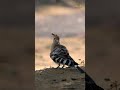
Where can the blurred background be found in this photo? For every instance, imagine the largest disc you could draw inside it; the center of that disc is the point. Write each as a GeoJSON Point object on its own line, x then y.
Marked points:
{"type": "Point", "coordinates": [102, 44]}
{"type": "Point", "coordinates": [17, 45]}
{"type": "Point", "coordinates": [65, 18]}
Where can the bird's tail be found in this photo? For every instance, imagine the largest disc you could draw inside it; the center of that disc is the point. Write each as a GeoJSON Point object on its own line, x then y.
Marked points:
{"type": "Point", "coordinates": [89, 82]}
{"type": "Point", "coordinates": [79, 69]}
{"type": "Point", "coordinates": [87, 77]}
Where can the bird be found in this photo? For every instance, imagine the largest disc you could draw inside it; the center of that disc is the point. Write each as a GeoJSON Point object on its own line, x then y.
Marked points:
{"type": "Point", "coordinates": [60, 55]}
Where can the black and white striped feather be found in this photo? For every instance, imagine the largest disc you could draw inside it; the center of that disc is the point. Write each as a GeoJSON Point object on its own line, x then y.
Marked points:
{"type": "Point", "coordinates": [61, 55]}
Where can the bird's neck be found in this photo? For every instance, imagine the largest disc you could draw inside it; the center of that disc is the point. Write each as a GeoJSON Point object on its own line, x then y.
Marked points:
{"type": "Point", "coordinates": [54, 44]}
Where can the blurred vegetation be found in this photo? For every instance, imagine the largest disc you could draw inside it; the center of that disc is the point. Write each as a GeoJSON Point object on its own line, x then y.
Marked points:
{"type": "Point", "coordinates": [66, 3]}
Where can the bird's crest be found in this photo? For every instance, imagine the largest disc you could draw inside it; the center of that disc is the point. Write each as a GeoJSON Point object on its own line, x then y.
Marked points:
{"type": "Point", "coordinates": [55, 36]}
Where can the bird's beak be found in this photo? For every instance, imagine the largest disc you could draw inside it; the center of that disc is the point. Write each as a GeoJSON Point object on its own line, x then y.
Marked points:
{"type": "Point", "coordinates": [53, 34]}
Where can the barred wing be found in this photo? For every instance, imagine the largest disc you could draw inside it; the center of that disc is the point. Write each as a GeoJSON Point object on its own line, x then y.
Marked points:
{"type": "Point", "coordinates": [61, 55]}
{"type": "Point", "coordinates": [61, 51]}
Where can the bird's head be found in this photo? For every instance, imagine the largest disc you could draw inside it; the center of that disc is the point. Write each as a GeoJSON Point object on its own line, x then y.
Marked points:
{"type": "Point", "coordinates": [55, 37]}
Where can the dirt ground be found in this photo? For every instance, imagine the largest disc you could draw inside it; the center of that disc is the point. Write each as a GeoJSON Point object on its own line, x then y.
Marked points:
{"type": "Point", "coordinates": [59, 79]}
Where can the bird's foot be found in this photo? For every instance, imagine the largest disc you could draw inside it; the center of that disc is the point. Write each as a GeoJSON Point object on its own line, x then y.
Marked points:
{"type": "Point", "coordinates": [57, 67]}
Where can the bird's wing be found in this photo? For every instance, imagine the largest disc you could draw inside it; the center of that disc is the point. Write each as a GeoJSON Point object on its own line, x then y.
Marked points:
{"type": "Point", "coordinates": [62, 54]}
{"type": "Point", "coordinates": [61, 51]}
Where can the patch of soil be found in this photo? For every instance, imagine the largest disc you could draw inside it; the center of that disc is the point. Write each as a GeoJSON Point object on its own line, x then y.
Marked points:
{"type": "Point", "coordinates": [59, 79]}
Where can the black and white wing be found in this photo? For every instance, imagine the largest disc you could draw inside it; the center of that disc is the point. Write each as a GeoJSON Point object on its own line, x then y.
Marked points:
{"type": "Point", "coordinates": [61, 55]}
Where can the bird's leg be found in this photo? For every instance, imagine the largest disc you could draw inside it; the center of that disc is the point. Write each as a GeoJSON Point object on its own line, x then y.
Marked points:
{"type": "Point", "coordinates": [58, 65]}
{"type": "Point", "coordinates": [63, 66]}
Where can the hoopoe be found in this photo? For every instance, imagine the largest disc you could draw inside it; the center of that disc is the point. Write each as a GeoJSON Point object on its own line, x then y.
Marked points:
{"type": "Point", "coordinates": [60, 55]}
